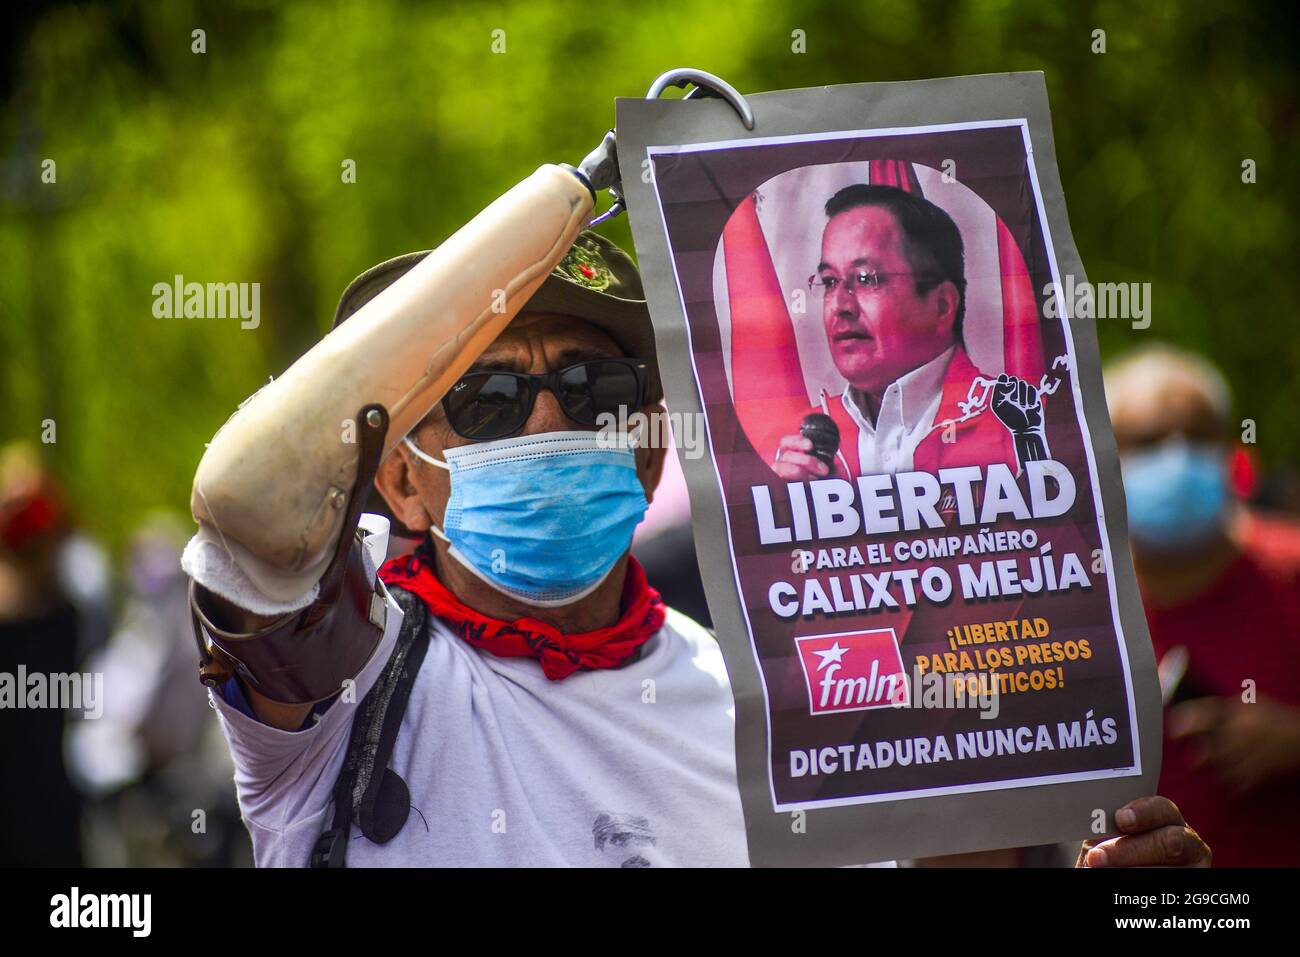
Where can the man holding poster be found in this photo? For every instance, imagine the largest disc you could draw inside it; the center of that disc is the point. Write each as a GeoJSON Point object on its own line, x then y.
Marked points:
{"type": "Point", "coordinates": [518, 677]}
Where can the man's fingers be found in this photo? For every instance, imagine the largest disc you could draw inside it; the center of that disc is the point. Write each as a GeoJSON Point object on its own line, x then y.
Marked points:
{"type": "Point", "coordinates": [1155, 835]}
{"type": "Point", "coordinates": [794, 443]}
{"type": "Point", "coordinates": [1173, 846]}
{"type": "Point", "coordinates": [1147, 814]}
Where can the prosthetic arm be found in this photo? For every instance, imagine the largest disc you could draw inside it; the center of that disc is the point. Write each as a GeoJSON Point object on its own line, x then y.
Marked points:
{"type": "Point", "coordinates": [280, 487]}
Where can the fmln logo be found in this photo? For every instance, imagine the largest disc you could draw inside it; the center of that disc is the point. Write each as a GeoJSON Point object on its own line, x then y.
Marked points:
{"type": "Point", "coordinates": [853, 671]}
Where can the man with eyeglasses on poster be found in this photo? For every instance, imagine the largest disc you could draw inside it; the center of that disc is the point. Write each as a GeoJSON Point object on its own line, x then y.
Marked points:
{"type": "Point", "coordinates": [513, 692]}
{"type": "Point", "coordinates": [892, 286]}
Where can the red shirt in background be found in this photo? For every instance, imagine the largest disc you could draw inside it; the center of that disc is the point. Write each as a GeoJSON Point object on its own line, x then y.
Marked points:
{"type": "Point", "coordinates": [1244, 626]}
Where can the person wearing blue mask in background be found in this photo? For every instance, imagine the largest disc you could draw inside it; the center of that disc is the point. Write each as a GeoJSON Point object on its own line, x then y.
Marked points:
{"type": "Point", "coordinates": [1221, 587]}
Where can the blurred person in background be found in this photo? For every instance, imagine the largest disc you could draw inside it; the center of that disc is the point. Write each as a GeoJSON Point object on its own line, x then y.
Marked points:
{"type": "Point", "coordinates": [155, 758]}
{"type": "Point", "coordinates": [1221, 586]}
{"type": "Point", "coordinates": [53, 588]}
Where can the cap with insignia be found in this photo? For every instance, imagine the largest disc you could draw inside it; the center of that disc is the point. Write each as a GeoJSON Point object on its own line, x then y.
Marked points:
{"type": "Point", "coordinates": [595, 281]}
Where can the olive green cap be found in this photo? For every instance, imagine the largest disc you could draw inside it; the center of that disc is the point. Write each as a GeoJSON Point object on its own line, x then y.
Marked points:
{"type": "Point", "coordinates": [595, 281]}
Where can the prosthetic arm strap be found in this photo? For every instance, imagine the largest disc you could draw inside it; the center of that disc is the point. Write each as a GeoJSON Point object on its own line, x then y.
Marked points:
{"type": "Point", "coordinates": [368, 791]}
{"type": "Point", "coordinates": [305, 656]}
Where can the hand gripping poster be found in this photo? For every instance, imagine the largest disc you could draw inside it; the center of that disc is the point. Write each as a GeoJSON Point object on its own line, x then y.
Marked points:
{"type": "Point", "coordinates": [908, 511]}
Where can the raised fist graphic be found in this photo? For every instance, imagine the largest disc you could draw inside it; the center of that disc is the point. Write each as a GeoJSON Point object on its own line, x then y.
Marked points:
{"type": "Point", "coordinates": [1019, 407]}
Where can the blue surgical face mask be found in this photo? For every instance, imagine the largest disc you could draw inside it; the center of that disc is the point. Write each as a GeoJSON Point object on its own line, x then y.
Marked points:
{"type": "Point", "coordinates": [541, 518]}
{"type": "Point", "coordinates": [1177, 494]}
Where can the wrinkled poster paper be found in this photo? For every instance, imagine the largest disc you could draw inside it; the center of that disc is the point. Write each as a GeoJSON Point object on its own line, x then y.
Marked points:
{"type": "Point", "coordinates": [936, 644]}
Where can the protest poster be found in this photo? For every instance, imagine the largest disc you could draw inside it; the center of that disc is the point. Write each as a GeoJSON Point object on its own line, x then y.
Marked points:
{"type": "Point", "coordinates": [935, 638]}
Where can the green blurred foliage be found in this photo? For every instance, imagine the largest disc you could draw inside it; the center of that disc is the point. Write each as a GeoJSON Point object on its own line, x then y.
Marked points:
{"type": "Point", "coordinates": [226, 166]}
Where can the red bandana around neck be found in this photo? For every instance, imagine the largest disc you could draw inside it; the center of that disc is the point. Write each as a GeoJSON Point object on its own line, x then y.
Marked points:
{"type": "Point", "coordinates": [560, 654]}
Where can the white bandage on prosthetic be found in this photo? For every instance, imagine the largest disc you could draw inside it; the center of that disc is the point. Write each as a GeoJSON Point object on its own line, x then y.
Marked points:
{"type": "Point", "coordinates": [208, 561]}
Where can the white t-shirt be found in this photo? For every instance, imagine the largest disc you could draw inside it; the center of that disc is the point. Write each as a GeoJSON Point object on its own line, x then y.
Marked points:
{"type": "Point", "coordinates": [625, 767]}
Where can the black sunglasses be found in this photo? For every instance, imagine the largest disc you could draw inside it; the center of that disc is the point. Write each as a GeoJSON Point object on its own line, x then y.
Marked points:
{"type": "Point", "coordinates": [492, 405]}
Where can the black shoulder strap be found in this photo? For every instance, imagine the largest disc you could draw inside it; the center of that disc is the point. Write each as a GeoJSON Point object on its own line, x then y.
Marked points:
{"type": "Point", "coordinates": [367, 789]}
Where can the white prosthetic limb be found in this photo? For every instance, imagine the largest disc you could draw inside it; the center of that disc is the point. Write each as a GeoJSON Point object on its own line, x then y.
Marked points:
{"type": "Point", "coordinates": [273, 487]}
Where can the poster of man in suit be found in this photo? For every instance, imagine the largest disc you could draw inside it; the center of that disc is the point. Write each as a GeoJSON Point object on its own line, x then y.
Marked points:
{"type": "Point", "coordinates": [906, 455]}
